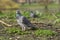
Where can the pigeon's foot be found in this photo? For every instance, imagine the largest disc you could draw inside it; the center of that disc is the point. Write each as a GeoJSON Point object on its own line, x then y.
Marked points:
{"type": "Point", "coordinates": [28, 28]}
{"type": "Point", "coordinates": [23, 28]}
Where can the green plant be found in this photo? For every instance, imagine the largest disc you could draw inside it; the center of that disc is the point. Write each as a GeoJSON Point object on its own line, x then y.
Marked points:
{"type": "Point", "coordinates": [56, 21]}
{"type": "Point", "coordinates": [44, 33]}
{"type": "Point", "coordinates": [57, 14]}
{"type": "Point", "coordinates": [14, 30]}
{"type": "Point", "coordinates": [1, 14]}
{"type": "Point", "coordinates": [11, 15]}
{"type": "Point", "coordinates": [26, 14]}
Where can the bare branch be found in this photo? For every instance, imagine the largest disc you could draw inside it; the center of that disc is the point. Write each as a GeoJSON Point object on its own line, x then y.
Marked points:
{"type": "Point", "coordinates": [4, 23]}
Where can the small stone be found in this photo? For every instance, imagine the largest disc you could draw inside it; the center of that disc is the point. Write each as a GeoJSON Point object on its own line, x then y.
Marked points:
{"type": "Point", "coordinates": [51, 37]}
{"type": "Point", "coordinates": [18, 37]}
{"type": "Point", "coordinates": [10, 38]}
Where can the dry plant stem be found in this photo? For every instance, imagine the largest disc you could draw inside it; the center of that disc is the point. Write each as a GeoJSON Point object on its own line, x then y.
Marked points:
{"type": "Point", "coordinates": [4, 23]}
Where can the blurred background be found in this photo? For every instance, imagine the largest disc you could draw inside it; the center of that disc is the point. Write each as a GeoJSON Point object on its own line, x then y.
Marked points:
{"type": "Point", "coordinates": [47, 10]}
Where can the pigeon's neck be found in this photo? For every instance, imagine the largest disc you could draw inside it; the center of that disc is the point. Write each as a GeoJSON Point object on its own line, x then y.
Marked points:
{"type": "Point", "coordinates": [19, 14]}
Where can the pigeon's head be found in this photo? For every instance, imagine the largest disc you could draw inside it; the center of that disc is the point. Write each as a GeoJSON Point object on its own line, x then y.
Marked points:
{"type": "Point", "coordinates": [31, 11]}
{"type": "Point", "coordinates": [18, 12]}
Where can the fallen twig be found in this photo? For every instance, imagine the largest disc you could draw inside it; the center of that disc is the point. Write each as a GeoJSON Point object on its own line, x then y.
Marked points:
{"type": "Point", "coordinates": [5, 23]}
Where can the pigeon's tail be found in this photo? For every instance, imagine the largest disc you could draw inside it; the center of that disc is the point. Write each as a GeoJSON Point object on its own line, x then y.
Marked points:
{"type": "Point", "coordinates": [33, 27]}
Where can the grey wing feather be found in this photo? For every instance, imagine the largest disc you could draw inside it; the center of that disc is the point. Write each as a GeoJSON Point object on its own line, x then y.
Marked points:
{"type": "Point", "coordinates": [27, 22]}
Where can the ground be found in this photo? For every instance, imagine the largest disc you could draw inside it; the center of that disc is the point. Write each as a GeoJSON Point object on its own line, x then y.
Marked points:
{"type": "Point", "coordinates": [45, 21]}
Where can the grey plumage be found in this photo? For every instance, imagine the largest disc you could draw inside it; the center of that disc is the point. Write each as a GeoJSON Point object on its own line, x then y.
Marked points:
{"type": "Point", "coordinates": [23, 21]}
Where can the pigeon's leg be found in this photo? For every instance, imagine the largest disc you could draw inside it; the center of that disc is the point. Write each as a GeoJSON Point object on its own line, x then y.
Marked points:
{"type": "Point", "coordinates": [23, 27]}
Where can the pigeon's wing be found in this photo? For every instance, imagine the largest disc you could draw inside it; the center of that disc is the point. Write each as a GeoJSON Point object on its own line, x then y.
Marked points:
{"type": "Point", "coordinates": [33, 15]}
{"type": "Point", "coordinates": [27, 22]}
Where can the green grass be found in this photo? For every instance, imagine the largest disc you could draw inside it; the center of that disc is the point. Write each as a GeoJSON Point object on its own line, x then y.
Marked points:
{"type": "Point", "coordinates": [53, 6]}
{"type": "Point", "coordinates": [41, 32]}
{"type": "Point", "coordinates": [34, 6]}
{"type": "Point", "coordinates": [14, 30]}
{"type": "Point", "coordinates": [11, 16]}
{"type": "Point", "coordinates": [26, 14]}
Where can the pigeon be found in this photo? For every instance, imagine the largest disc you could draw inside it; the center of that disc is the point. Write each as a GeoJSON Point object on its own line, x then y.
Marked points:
{"type": "Point", "coordinates": [32, 14]}
{"type": "Point", "coordinates": [23, 21]}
